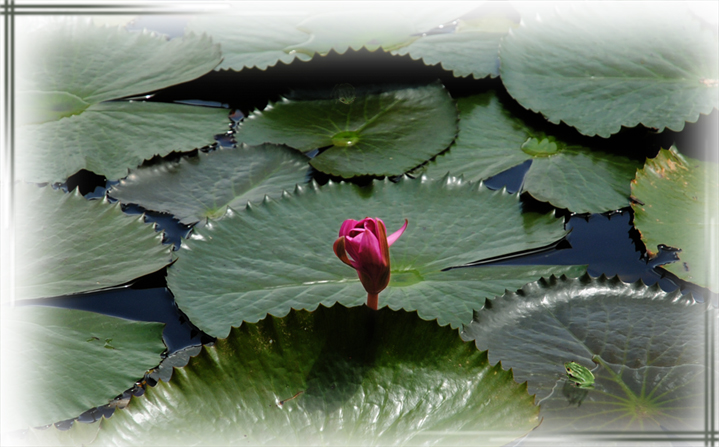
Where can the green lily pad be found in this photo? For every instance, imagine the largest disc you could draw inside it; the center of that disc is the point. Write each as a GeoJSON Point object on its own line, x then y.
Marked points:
{"type": "Point", "coordinates": [277, 255]}
{"type": "Point", "coordinates": [491, 140]}
{"type": "Point", "coordinates": [253, 38]}
{"type": "Point", "coordinates": [112, 137]}
{"type": "Point", "coordinates": [600, 67]}
{"type": "Point", "coordinates": [69, 67]}
{"type": "Point", "coordinates": [98, 63]}
{"type": "Point", "coordinates": [256, 36]}
{"type": "Point", "coordinates": [342, 30]}
{"type": "Point", "coordinates": [376, 134]}
{"type": "Point", "coordinates": [66, 244]}
{"type": "Point", "coordinates": [62, 362]}
{"type": "Point", "coordinates": [677, 206]}
{"type": "Point", "coordinates": [472, 48]}
{"type": "Point", "coordinates": [643, 345]}
{"type": "Point", "coordinates": [202, 187]}
{"type": "Point", "coordinates": [335, 376]}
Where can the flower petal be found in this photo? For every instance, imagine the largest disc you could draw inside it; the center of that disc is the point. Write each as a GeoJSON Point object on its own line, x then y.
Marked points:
{"type": "Point", "coordinates": [394, 236]}
{"type": "Point", "coordinates": [382, 238]}
{"type": "Point", "coordinates": [369, 251]}
{"type": "Point", "coordinates": [347, 225]}
{"type": "Point", "coordinates": [341, 253]}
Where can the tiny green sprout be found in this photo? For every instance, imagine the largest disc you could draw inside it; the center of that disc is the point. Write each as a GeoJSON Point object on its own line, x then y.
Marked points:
{"type": "Point", "coordinates": [579, 375]}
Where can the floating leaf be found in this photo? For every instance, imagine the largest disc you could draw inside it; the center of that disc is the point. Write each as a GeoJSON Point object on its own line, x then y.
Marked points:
{"type": "Point", "coordinates": [256, 36]}
{"type": "Point", "coordinates": [492, 140]}
{"type": "Point", "coordinates": [648, 345]}
{"type": "Point", "coordinates": [111, 137]}
{"type": "Point", "coordinates": [342, 30]}
{"type": "Point", "coordinates": [277, 255]}
{"type": "Point", "coordinates": [380, 134]}
{"type": "Point", "coordinates": [202, 187]}
{"type": "Point", "coordinates": [66, 244]}
{"type": "Point", "coordinates": [677, 207]}
{"type": "Point", "coordinates": [68, 66]}
{"type": "Point", "coordinates": [600, 67]}
{"type": "Point", "coordinates": [62, 362]}
{"type": "Point", "coordinates": [335, 376]}
{"type": "Point", "coordinates": [468, 45]}
{"type": "Point", "coordinates": [253, 39]}
{"type": "Point", "coordinates": [96, 63]}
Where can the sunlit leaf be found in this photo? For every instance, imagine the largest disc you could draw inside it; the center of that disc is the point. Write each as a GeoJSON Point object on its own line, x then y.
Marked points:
{"type": "Point", "coordinates": [678, 206]}
{"type": "Point", "coordinates": [335, 376]}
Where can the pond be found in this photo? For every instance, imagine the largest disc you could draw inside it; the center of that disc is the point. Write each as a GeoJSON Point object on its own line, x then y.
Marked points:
{"type": "Point", "coordinates": [469, 224]}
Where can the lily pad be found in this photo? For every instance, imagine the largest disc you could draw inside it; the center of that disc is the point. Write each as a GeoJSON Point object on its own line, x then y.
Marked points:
{"type": "Point", "coordinates": [277, 255]}
{"type": "Point", "coordinates": [58, 363]}
{"type": "Point", "coordinates": [253, 36]}
{"type": "Point", "coordinates": [66, 244]}
{"type": "Point", "coordinates": [377, 134]}
{"type": "Point", "coordinates": [69, 66]}
{"type": "Point", "coordinates": [491, 140]}
{"type": "Point", "coordinates": [645, 348]}
{"type": "Point", "coordinates": [335, 376]}
{"type": "Point", "coordinates": [677, 206]}
{"type": "Point", "coordinates": [97, 63]}
{"type": "Point", "coordinates": [600, 67]}
{"type": "Point", "coordinates": [342, 30]}
{"type": "Point", "coordinates": [468, 45]}
{"type": "Point", "coordinates": [112, 137]}
{"type": "Point", "coordinates": [197, 188]}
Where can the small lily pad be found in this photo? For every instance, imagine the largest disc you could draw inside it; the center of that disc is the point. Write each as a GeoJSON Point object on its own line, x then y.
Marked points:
{"type": "Point", "coordinates": [277, 255]}
{"type": "Point", "coordinates": [59, 364]}
{"type": "Point", "coordinates": [66, 244]}
{"type": "Point", "coordinates": [377, 134]}
{"type": "Point", "coordinates": [643, 345]}
{"type": "Point", "coordinates": [491, 139]}
{"type": "Point", "coordinates": [677, 207]}
{"type": "Point", "coordinates": [335, 376]}
{"type": "Point", "coordinates": [202, 187]}
{"type": "Point", "coordinates": [599, 67]}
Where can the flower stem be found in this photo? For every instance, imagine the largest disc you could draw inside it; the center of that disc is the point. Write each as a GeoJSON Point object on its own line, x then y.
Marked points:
{"type": "Point", "coordinates": [372, 300]}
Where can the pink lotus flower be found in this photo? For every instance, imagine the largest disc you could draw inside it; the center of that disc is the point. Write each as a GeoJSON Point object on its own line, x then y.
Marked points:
{"type": "Point", "coordinates": [367, 244]}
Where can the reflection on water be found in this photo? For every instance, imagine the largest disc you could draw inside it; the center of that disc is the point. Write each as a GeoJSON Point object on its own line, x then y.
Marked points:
{"type": "Point", "coordinates": [344, 93]}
